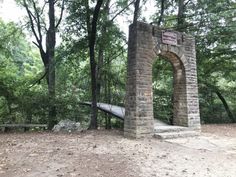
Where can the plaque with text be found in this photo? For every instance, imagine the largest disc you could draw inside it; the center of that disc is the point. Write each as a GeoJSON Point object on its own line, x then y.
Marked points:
{"type": "Point", "coordinates": [169, 38]}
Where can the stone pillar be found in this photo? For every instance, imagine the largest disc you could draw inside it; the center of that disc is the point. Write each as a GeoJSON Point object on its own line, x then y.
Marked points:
{"type": "Point", "coordinates": [191, 82]}
{"type": "Point", "coordinates": [139, 104]}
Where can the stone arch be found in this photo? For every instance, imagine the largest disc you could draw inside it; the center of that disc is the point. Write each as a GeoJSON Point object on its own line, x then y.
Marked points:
{"type": "Point", "coordinates": [179, 89]}
{"type": "Point", "coordinates": [145, 43]}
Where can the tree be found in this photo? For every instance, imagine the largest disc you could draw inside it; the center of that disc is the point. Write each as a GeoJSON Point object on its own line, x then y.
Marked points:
{"type": "Point", "coordinates": [109, 40]}
{"type": "Point", "coordinates": [40, 28]}
{"type": "Point", "coordinates": [92, 34]}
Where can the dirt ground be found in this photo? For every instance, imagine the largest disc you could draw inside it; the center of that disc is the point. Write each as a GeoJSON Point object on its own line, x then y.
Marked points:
{"type": "Point", "coordinates": [109, 154]}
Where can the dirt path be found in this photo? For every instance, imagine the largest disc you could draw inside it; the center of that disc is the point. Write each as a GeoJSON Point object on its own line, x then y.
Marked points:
{"type": "Point", "coordinates": [109, 154]}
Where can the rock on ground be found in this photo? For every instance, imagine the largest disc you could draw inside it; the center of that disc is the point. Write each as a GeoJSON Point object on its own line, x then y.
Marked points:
{"type": "Point", "coordinates": [67, 126]}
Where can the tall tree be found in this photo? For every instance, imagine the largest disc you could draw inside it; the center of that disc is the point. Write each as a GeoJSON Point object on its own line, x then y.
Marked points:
{"type": "Point", "coordinates": [92, 35]}
{"type": "Point", "coordinates": [41, 29]}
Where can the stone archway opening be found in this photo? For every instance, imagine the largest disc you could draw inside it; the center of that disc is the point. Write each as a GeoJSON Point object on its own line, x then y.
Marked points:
{"type": "Point", "coordinates": [180, 111]}
{"type": "Point", "coordinates": [145, 43]}
{"type": "Point", "coordinates": [162, 87]}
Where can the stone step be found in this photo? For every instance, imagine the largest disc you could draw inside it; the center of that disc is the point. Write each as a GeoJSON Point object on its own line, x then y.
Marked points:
{"type": "Point", "coordinates": [180, 134]}
{"type": "Point", "coordinates": [162, 129]}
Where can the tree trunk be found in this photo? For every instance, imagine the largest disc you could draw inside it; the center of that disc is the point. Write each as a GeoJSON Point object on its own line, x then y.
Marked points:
{"type": "Point", "coordinates": [161, 12]}
{"type": "Point", "coordinates": [108, 93]}
{"type": "Point", "coordinates": [180, 18]}
{"type": "Point", "coordinates": [102, 45]}
{"type": "Point", "coordinates": [99, 71]}
{"type": "Point", "coordinates": [226, 106]}
{"type": "Point", "coordinates": [222, 99]}
{"type": "Point", "coordinates": [50, 45]}
{"type": "Point", "coordinates": [136, 11]}
{"type": "Point", "coordinates": [109, 102]}
{"type": "Point", "coordinates": [92, 40]}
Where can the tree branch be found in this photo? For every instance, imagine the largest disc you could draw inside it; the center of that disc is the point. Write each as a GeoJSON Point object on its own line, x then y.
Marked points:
{"type": "Point", "coordinates": [36, 44]}
{"type": "Point", "coordinates": [43, 8]}
{"type": "Point", "coordinates": [222, 99]}
{"type": "Point", "coordinates": [38, 22]}
{"type": "Point", "coordinates": [31, 21]}
{"type": "Point", "coordinates": [39, 80]}
{"type": "Point", "coordinates": [61, 14]}
{"type": "Point", "coordinates": [114, 55]}
{"type": "Point", "coordinates": [187, 2]}
{"type": "Point", "coordinates": [122, 10]}
{"type": "Point", "coordinates": [88, 18]}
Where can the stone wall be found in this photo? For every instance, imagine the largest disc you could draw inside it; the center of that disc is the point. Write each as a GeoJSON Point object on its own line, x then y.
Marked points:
{"type": "Point", "coordinates": [145, 44]}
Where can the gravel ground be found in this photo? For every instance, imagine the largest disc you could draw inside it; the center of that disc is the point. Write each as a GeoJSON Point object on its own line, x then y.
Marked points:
{"type": "Point", "coordinates": [108, 154]}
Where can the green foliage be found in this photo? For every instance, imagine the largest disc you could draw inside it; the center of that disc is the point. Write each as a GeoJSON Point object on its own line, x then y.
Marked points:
{"type": "Point", "coordinates": [216, 55]}
{"type": "Point", "coordinates": [19, 65]}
